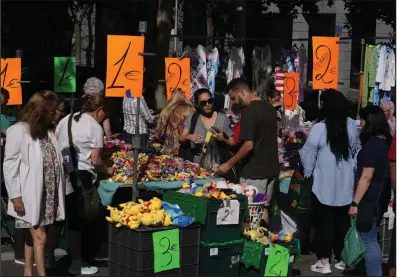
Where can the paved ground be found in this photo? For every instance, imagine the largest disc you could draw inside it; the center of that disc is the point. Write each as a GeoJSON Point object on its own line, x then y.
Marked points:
{"type": "Point", "coordinates": [9, 268]}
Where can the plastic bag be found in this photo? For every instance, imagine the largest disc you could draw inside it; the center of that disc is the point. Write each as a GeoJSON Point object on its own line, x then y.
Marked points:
{"type": "Point", "coordinates": [211, 158]}
{"type": "Point", "coordinates": [354, 248]}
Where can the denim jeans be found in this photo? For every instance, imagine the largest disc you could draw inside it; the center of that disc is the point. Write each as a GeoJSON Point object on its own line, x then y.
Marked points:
{"type": "Point", "coordinates": [373, 255]}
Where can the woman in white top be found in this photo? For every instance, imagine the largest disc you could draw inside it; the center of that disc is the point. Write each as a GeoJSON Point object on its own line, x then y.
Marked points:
{"type": "Point", "coordinates": [94, 86]}
{"type": "Point", "coordinates": [87, 138]}
{"type": "Point", "coordinates": [33, 175]}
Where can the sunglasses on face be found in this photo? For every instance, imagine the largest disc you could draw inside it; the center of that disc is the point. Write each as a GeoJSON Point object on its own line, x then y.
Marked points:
{"type": "Point", "coordinates": [209, 101]}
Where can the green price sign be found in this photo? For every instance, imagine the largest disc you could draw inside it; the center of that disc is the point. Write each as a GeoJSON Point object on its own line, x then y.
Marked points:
{"type": "Point", "coordinates": [64, 75]}
{"type": "Point", "coordinates": [277, 262]}
{"type": "Point", "coordinates": [166, 250]}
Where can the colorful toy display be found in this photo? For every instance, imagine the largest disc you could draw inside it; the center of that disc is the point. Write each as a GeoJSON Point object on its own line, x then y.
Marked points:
{"type": "Point", "coordinates": [248, 190]}
{"type": "Point", "coordinates": [264, 236]}
{"type": "Point", "coordinates": [123, 162]}
{"type": "Point", "coordinates": [152, 213]}
{"type": "Point", "coordinates": [209, 191]}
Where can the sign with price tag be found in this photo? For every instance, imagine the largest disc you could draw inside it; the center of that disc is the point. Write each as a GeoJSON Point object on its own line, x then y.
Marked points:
{"type": "Point", "coordinates": [166, 250]}
{"type": "Point", "coordinates": [10, 76]}
{"type": "Point", "coordinates": [277, 262]}
{"type": "Point", "coordinates": [177, 75]}
{"type": "Point", "coordinates": [291, 90]}
{"type": "Point", "coordinates": [325, 62]}
{"type": "Point", "coordinates": [228, 213]}
{"type": "Point", "coordinates": [64, 75]}
{"type": "Point", "coordinates": [124, 70]}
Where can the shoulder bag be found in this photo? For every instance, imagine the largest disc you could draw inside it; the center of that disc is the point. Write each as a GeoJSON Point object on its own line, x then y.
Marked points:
{"type": "Point", "coordinates": [185, 149]}
{"type": "Point", "coordinates": [89, 201]}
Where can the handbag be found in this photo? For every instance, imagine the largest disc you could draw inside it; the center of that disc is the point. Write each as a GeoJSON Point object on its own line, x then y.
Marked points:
{"type": "Point", "coordinates": [89, 199]}
{"type": "Point", "coordinates": [185, 149]}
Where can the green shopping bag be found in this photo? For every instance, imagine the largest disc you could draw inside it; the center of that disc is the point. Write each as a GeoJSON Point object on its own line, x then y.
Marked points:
{"type": "Point", "coordinates": [354, 248]}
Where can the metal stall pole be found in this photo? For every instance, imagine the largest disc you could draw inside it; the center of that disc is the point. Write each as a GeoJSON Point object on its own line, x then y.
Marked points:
{"type": "Point", "coordinates": [361, 79]}
{"type": "Point", "coordinates": [176, 26]}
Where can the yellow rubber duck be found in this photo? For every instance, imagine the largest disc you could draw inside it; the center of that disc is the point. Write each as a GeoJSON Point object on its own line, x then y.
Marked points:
{"type": "Point", "coordinates": [155, 204]}
{"type": "Point", "coordinates": [135, 224]}
{"type": "Point", "coordinates": [158, 216]}
{"type": "Point", "coordinates": [147, 219]}
{"type": "Point", "coordinates": [167, 220]}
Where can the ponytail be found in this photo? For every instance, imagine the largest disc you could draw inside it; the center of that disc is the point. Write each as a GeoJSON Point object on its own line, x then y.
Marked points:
{"type": "Point", "coordinates": [83, 104]}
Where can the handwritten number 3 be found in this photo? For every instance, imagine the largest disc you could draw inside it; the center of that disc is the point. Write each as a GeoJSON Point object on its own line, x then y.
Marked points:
{"type": "Point", "coordinates": [167, 249]}
{"type": "Point", "coordinates": [321, 76]}
{"type": "Point", "coordinates": [290, 93]}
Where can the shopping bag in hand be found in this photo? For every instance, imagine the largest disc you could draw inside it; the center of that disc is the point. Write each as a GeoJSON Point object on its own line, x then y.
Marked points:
{"type": "Point", "coordinates": [211, 158]}
{"type": "Point", "coordinates": [354, 248]}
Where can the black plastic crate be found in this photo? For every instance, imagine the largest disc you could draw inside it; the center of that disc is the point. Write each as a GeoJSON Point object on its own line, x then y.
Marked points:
{"type": "Point", "coordinates": [141, 239]}
{"type": "Point", "coordinates": [116, 269]}
{"type": "Point", "coordinates": [132, 250]}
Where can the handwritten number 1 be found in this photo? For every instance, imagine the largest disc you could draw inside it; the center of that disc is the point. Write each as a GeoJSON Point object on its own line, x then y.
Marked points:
{"type": "Point", "coordinates": [12, 83]}
{"type": "Point", "coordinates": [122, 60]}
{"type": "Point", "coordinates": [4, 71]}
{"type": "Point", "coordinates": [63, 75]}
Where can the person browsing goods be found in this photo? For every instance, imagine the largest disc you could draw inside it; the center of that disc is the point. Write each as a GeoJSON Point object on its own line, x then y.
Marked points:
{"type": "Point", "coordinates": [259, 136]}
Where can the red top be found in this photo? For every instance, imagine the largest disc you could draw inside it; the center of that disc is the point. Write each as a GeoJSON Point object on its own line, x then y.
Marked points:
{"type": "Point", "coordinates": [392, 151]}
{"type": "Point", "coordinates": [236, 133]}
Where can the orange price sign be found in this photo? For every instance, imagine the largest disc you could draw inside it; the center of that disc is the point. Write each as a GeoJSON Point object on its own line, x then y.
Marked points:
{"type": "Point", "coordinates": [124, 66]}
{"type": "Point", "coordinates": [10, 74]}
{"type": "Point", "coordinates": [291, 90]}
{"type": "Point", "coordinates": [325, 62]}
{"type": "Point", "coordinates": [177, 75]}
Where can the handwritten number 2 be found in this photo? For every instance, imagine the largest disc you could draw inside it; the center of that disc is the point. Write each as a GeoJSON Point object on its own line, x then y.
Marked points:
{"type": "Point", "coordinates": [167, 249]}
{"type": "Point", "coordinates": [290, 93]}
{"type": "Point", "coordinates": [172, 74]}
{"type": "Point", "coordinates": [328, 54]}
{"type": "Point", "coordinates": [227, 212]}
{"type": "Point", "coordinates": [272, 269]}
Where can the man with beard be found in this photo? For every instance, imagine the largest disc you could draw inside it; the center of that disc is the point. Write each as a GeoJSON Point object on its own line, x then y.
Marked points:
{"type": "Point", "coordinates": [259, 151]}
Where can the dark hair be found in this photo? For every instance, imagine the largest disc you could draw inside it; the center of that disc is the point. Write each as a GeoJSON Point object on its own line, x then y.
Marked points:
{"type": "Point", "coordinates": [91, 103]}
{"type": "Point", "coordinates": [272, 93]}
{"type": "Point", "coordinates": [335, 110]}
{"type": "Point", "coordinates": [5, 93]}
{"type": "Point", "coordinates": [61, 99]}
{"type": "Point", "coordinates": [237, 84]}
{"type": "Point", "coordinates": [199, 92]}
{"type": "Point", "coordinates": [375, 124]}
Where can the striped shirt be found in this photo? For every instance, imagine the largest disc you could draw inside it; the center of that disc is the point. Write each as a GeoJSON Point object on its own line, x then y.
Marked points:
{"type": "Point", "coordinates": [129, 110]}
{"type": "Point", "coordinates": [279, 81]}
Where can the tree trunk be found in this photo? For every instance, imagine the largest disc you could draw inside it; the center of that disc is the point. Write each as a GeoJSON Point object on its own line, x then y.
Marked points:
{"type": "Point", "coordinates": [210, 25]}
{"type": "Point", "coordinates": [77, 41]}
{"type": "Point", "coordinates": [163, 28]}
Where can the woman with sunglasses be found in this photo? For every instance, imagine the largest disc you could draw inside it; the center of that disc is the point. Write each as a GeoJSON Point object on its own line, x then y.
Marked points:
{"type": "Point", "coordinates": [207, 121]}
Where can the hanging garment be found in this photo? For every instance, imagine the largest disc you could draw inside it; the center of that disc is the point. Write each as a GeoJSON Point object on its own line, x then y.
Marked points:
{"type": "Point", "coordinates": [279, 81]}
{"type": "Point", "coordinates": [261, 69]}
{"type": "Point", "coordinates": [374, 94]}
{"type": "Point", "coordinates": [235, 64]}
{"type": "Point", "coordinates": [300, 65]}
{"type": "Point", "coordinates": [198, 69]}
{"type": "Point", "coordinates": [386, 74]}
{"type": "Point", "coordinates": [212, 68]}
{"type": "Point", "coordinates": [370, 63]}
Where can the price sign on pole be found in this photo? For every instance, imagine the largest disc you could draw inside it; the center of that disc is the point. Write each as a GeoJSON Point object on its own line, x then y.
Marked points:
{"type": "Point", "coordinates": [10, 77]}
{"type": "Point", "coordinates": [291, 90]}
{"type": "Point", "coordinates": [64, 75]}
{"type": "Point", "coordinates": [325, 62]}
{"type": "Point", "coordinates": [228, 213]}
{"type": "Point", "coordinates": [166, 250]}
{"type": "Point", "coordinates": [277, 262]}
{"type": "Point", "coordinates": [177, 75]}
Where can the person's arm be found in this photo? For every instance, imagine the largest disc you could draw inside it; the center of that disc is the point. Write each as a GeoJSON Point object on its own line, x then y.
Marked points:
{"type": "Point", "coordinates": [107, 128]}
{"type": "Point", "coordinates": [96, 145]}
{"type": "Point", "coordinates": [185, 137]}
{"type": "Point", "coordinates": [242, 153]}
{"type": "Point", "coordinates": [227, 130]}
{"type": "Point", "coordinates": [147, 116]}
{"type": "Point", "coordinates": [363, 184]}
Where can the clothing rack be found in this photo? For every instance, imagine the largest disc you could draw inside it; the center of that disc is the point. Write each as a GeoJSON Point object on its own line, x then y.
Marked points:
{"type": "Point", "coordinates": [390, 38]}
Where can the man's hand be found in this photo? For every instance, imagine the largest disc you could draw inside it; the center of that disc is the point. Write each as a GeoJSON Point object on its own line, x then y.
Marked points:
{"type": "Point", "coordinates": [195, 138]}
{"type": "Point", "coordinates": [19, 207]}
{"type": "Point", "coordinates": [223, 169]}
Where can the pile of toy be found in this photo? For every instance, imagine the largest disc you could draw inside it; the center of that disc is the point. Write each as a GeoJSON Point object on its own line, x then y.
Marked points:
{"type": "Point", "coordinates": [167, 168]}
{"type": "Point", "coordinates": [264, 236]}
{"type": "Point", "coordinates": [152, 213]}
{"type": "Point", "coordinates": [248, 190]}
{"type": "Point", "coordinates": [123, 165]}
{"type": "Point", "coordinates": [209, 191]}
{"type": "Point", "coordinates": [110, 143]}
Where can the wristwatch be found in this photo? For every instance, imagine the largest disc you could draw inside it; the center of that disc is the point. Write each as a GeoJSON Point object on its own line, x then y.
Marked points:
{"type": "Point", "coordinates": [354, 204]}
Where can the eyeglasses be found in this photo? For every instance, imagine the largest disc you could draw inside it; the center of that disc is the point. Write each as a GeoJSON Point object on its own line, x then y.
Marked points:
{"type": "Point", "coordinates": [209, 101]}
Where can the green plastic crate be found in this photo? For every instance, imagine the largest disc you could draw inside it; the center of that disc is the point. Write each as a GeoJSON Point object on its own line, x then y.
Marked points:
{"type": "Point", "coordinates": [204, 211]}
{"type": "Point", "coordinates": [249, 264]}
{"type": "Point", "coordinates": [220, 259]}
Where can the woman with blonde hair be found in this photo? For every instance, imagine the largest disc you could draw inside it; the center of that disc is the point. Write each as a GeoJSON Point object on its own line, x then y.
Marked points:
{"type": "Point", "coordinates": [170, 124]}
{"type": "Point", "coordinates": [388, 108]}
{"type": "Point", "coordinates": [33, 175]}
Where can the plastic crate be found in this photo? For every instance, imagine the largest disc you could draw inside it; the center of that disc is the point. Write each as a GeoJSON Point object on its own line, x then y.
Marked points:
{"type": "Point", "coordinates": [385, 238]}
{"type": "Point", "coordinates": [118, 270]}
{"type": "Point", "coordinates": [204, 211]}
{"type": "Point", "coordinates": [220, 259]}
{"type": "Point", "coordinates": [131, 251]}
{"type": "Point", "coordinates": [247, 269]}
